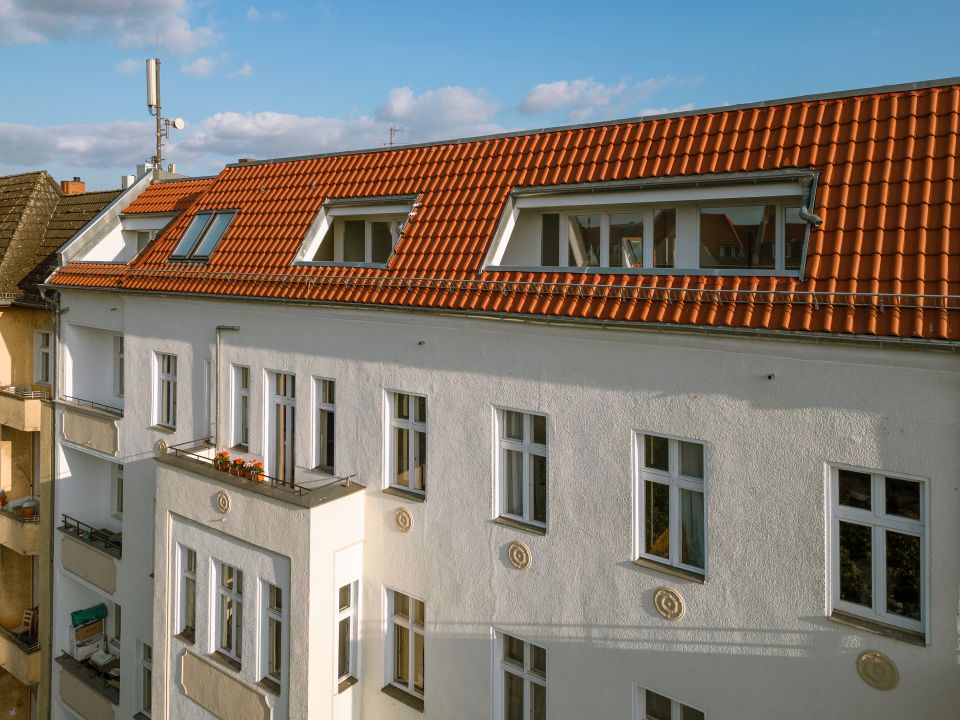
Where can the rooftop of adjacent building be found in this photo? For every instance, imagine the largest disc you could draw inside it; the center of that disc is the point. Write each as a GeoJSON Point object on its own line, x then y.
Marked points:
{"type": "Point", "coordinates": [884, 263]}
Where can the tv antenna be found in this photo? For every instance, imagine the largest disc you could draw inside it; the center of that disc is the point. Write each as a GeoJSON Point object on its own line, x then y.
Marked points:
{"type": "Point", "coordinates": [394, 131]}
{"type": "Point", "coordinates": [153, 107]}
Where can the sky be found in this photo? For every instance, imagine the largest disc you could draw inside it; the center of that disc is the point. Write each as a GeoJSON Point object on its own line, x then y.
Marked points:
{"type": "Point", "coordinates": [273, 79]}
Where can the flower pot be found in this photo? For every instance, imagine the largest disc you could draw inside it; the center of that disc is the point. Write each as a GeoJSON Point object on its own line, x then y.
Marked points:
{"type": "Point", "coordinates": [255, 475]}
{"type": "Point", "coordinates": [29, 509]}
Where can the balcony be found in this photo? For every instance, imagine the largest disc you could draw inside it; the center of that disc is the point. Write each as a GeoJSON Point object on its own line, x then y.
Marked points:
{"type": "Point", "coordinates": [91, 553]}
{"type": "Point", "coordinates": [20, 407]}
{"type": "Point", "coordinates": [90, 691]}
{"type": "Point", "coordinates": [91, 425]}
{"type": "Point", "coordinates": [20, 528]}
{"type": "Point", "coordinates": [19, 655]}
{"type": "Point", "coordinates": [191, 456]}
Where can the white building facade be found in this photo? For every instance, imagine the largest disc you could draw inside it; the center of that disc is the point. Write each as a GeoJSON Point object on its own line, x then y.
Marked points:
{"type": "Point", "coordinates": [495, 515]}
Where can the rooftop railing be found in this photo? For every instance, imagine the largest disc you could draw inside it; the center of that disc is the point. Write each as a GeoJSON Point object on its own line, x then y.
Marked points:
{"type": "Point", "coordinates": [94, 405]}
{"type": "Point", "coordinates": [110, 542]}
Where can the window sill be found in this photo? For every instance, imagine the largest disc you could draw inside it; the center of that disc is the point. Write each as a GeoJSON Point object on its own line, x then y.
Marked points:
{"type": "Point", "coordinates": [270, 685]}
{"type": "Point", "coordinates": [670, 570]}
{"type": "Point", "coordinates": [170, 430]}
{"type": "Point", "coordinates": [405, 494]}
{"type": "Point", "coordinates": [403, 696]}
{"type": "Point", "coordinates": [520, 525]}
{"type": "Point", "coordinates": [187, 636]}
{"type": "Point", "coordinates": [878, 628]}
{"type": "Point", "coordinates": [227, 662]}
{"type": "Point", "coordinates": [347, 682]}
{"type": "Point", "coordinates": [241, 448]}
{"type": "Point", "coordinates": [141, 716]}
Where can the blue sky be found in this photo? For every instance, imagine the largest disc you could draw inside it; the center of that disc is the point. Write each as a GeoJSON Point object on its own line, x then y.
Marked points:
{"type": "Point", "coordinates": [267, 79]}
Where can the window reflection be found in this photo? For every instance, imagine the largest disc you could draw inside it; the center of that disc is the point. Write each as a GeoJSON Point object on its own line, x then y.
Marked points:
{"type": "Point", "coordinates": [737, 237]}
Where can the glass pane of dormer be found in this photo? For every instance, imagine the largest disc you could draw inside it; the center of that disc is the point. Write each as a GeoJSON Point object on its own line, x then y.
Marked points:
{"type": "Point", "coordinates": [197, 226]}
{"type": "Point", "coordinates": [381, 241]}
{"type": "Point", "coordinates": [664, 238]}
{"type": "Point", "coordinates": [626, 240]}
{"type": "Point", "coordinates": [210, 239]}
{"type": "Point", "coordinates": [583, 235]}
{"type": "Point", "coordinates": [353, 241]}
{"type": "Point", "coordinates": [794, 231]}
{"type": "Point", "coordinates": [738, 237]}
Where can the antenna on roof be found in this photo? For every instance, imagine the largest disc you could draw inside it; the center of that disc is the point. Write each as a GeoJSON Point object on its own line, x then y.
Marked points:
{"type": "Point", "coordinates": [394, 131]}
{"type": "Point", "coordinates": [153, 107]}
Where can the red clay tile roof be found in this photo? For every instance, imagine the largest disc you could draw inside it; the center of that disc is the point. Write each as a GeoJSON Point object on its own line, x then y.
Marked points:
{"type": "Point", "coordinates": [168, 196]}
{"type": "Point", "coordinates": [885, 262]}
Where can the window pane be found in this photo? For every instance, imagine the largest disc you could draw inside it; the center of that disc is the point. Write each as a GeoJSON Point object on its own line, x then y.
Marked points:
{"type": "Point", "coordinates": [197, 225]}
{"type": "Point", "coordinates": [343, 649]}
{"type": "Point", "coordinates": [213, 235]}
{"type": "Point", "coordinates": [190, 604]}
{"type": "Point", "coordinates": [903, 575]}
{"type": "Point", "coordinates": [273, 648]}
{"type": "Point", "coordinates": [583, 233]}
{"type": "Point", "coordinates": [276, 598]}
{"type": "Point", "coordinates": [658, 706]}
{"type": "Point", "coordinates": [794, 231]}
{"type": "Point", "coordinates": [550, 240]}
{"type": "Point", "coordinates": [512, 697]}
{"type": "Point", "coordinates": [856, 556]}
{"type": "Point", "coordinates": [418, 613]}
{"type": "Point", "coordinates": [538, 702]}
{"type": "Point", "coordinates": [539, 429]}
{"type": "Point", "coordinates": [226, 624]}
{"type": "Point", "coordinates": [418, 662]}
{"type": "Point", "coordinates": [664, 238]}
{"type": "Point", "coordinates": [238, 651]}
{"type": "Point", "coordinates": [691, 528]}
{"type": "Point", "coordinates": [381, 241]}
{"type": "Point", "coordinates": [353, 241]}
{"type": "Point", "coordinates": [325, 438]}
{"type": "Point", "coordinates": [401, 444]}
{"type": "Point", "coordinates": [226, 576]}
{"type": "Point", "coordinates": [656, 452]}
{"type": "Point", "coordinates": [688, 713]}
{"type": "Point", "coordinates": [513, 486]}
{"type": "Point", "coordinates": [538, 490]}
{"type": "Point", "coordinates": [512, 425]}
{"type": "Point", "coordinates": [626, 240]}
{"type": "Point", "coordinates": [402, 406]}
{"type": "Point", "coordinates": [737, 236]}
{"type": "Point", "coordinates": [513, 649]}
{"type": "Point", "coordinates": [401, 654]}
{"type": "Point", "coordinates": [327, 393]}
{"type": "Point", "coordinates": [854, 489]}
{"type": "Point", "coordinates": [421, 409]}
{"type": "Point", "coordinates": [691, 459]}
{"type": "Point", "coordinates": [401, 605]}
{"type": "Point", "coordinates": [656, 519]}
{"type": "Point", "coordinates": [538, 660]}
{"type": "Point", "coordinates": [903, 498]}
{"type": "Point", "coordinates": [191, 561]}
{"type": "Point", "coordinates": [420, 461]}
{"type": "Point", "coordinates": [344, 597]}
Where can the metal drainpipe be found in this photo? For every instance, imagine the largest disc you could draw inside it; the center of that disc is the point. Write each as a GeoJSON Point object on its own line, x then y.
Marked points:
{"type": "Point", "coordinates": [216, 383]}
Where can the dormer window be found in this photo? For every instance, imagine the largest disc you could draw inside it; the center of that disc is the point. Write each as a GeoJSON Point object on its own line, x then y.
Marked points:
{"type": "Point", "coordinates": [202, 235]}
{"type": "Point", "coordinates": [356, 231]}
{"type": "Point", "coordinates": [745, 223]}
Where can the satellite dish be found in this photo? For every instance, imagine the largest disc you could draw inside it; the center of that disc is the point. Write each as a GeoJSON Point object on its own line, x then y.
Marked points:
{"type": "Point", "coordinates": [178, 123]}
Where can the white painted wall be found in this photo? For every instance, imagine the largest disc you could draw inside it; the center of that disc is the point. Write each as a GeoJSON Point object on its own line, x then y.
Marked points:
{"type": "Point", "coordinates": [755, 641]}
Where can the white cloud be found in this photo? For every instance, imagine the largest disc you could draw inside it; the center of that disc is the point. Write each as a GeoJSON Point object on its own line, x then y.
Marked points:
{"type": "Point", "coordinates": [99, 145]}
{"type": "Point", "coordinates": [130, 23]}
{"type": "Point", "coordinates": [253, 15]}
{"type": "Point", "coordinates": [245, 70]}
{"type": "Point", "coordinates": [128, 66]}
{"type": "Point", "coordinates": [200, 67]}
{"type": "Point", "coordinates": [444, 113]}
{"type": "Point", "coordinates": [586, 97]}
{"type": "Point", "coordinates": [648, 111]}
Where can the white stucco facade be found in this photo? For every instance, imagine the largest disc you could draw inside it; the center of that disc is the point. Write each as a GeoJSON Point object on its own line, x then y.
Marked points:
{"type": "Point", "coordinates": [755, 639]}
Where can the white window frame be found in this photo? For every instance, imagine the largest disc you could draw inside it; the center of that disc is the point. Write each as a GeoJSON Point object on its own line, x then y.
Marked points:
{"type": "Point", "coordinates": [237, 600]}
{"type": "Point", "coordinates": [879, 522]}
{"type": "Point", "coordinates": [165, 415]}
{"type": "Point", "coordinates": [676, 707]}
{"type": "Point", "coordinates": [676, 482]}
{"type": "Point", "coordinates": [280, 618]}
{"type": "Point", "coordinates": [145, 658]}
{"type": "Point", "coordinates": [289, 403]}
{"type": "Point", "coordinates": [348, 613]}
{"type": "Point", "coordinates": [319, 406]}
{"type": "Point", "coordinates": [184, 576]}
{"type": "Point", "coordinates": [42, 375]}
{"type": "Point", "coordinates": [116, 490]}
{"type": "Point", "coordinates": [240, 428]}
{"type": "Point", "coordinates": [395, 209]}
{"type": "Point", "coordinates": [389, 646]}
{"type": "Point", "coordinates": [396, 227]}
{"type": "Point", "coordinates": [412, 425]}
{"type": "Point", "coordinates": [525, 673]}
{"type": "Point", "coordinates": [528, 448]}
{"type": "Point", "coordinates": [118, 368]}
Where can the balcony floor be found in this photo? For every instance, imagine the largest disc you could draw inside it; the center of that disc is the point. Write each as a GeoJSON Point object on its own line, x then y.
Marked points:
{"type": "Point", "coordinates": [89, 677]}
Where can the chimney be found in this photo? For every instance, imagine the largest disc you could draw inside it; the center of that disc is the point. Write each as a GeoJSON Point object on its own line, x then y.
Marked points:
{"type": "Point", "coordinates": [172, 168]}
{"type": "Point", "coordinates": [126, 181]}
{"type": "Point", "coordinates": [72, 187]}
{"type": "Point", "coordinates": [244, 161]}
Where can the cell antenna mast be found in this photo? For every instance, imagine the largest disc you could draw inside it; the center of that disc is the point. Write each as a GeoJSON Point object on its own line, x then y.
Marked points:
{"type": "Point", "coordinates": [153, 107]}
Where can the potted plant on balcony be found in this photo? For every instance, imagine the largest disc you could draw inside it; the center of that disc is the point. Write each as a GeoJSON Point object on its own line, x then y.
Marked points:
{"type": "Point", "coordinates": [3, 498]}
{"type": "Point", "coordinates": [238, 467]}
{"type": "Point", "coordinates": [221, 460]}
{"type": "Point", "coordinates": [29, 508]}
{"type": "Point", "coordinates": [255, 470]}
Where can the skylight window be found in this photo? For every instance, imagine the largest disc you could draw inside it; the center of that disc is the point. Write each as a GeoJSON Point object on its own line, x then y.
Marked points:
{"type": "Point", "coordinates": [202, 235]}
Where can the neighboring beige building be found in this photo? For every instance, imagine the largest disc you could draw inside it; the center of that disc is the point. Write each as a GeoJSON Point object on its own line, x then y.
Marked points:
{"type": "Point", "coordinates": [36, 216]}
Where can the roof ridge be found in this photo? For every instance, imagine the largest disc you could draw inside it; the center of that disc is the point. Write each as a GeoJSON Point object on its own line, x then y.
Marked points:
{"type": "Point", "coordinates": [813, 97]}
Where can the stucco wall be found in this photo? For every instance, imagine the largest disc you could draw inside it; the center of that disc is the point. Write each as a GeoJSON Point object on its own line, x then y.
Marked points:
{"type": "Point", "coordinates": [754, 642]}
{"type": "Point", "coordinates": [17, 326]}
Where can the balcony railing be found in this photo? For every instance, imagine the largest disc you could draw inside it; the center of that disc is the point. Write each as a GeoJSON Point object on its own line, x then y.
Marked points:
{"type": "Point", "coordinates": [10, 511]}
{"type": "Point", "coordinates": [102, 539]}
{"type": "Point", "coordinates": [25, 392]}
{"type": "Point", "coordinates": [24, 642]}
{"type": "Point", "coordinates": [93, 405]}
